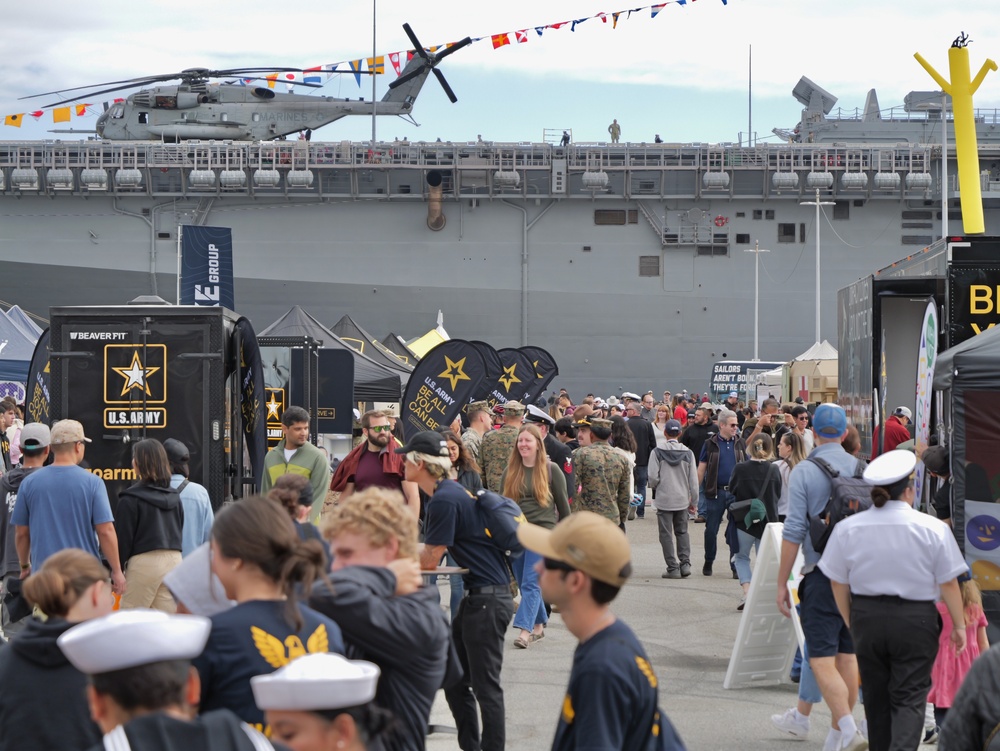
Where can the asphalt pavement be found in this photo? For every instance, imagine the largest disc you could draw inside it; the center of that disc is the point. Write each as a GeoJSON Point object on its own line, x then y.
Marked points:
{"type": "Point", "coordinates": [688, 627]}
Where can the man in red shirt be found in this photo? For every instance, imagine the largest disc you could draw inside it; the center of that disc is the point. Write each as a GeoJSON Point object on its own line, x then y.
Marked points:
{"type": "Point", "coordinates": [896, 431]}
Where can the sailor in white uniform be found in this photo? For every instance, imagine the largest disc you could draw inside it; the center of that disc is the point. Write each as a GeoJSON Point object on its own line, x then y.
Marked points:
{"type": "Point", "coordinates": [143, 686]}
{"type": "Point", "coordinates": [888, 566]}
{"type": "Point", "coordinates": [323, 702]}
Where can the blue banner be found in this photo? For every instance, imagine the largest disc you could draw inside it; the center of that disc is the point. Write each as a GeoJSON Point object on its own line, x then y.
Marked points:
{"type": "Point", "coordinates": [207, 266]}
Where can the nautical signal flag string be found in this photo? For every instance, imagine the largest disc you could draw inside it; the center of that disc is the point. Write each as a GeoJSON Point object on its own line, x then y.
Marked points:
{"type": "Point", "coordinates": [376, 66]}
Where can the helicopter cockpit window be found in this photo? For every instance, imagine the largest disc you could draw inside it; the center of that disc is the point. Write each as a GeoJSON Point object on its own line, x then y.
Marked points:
{"type": "Point", "coordinates": [143, 118]}
{"type": "Point", "coordinates": [165, 102]}
{"type": "Point", "coordinates": [256, 117]}
{"type": "Point", "coordinates": [117, 112]}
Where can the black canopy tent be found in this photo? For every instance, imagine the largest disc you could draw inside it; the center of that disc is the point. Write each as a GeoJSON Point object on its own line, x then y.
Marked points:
{"type": "Point", "coordinates": [373, 382]}
{"type": "Point", "coordinates": [397, 346]}
{"type": "Point", "coordinates": [969, 377]}
{"type": "Point", "coordinates": [351, 333]}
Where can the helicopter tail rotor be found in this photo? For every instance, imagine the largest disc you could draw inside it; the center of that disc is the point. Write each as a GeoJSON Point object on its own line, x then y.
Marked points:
{"type": "Point", "coordinates": [430, 63]}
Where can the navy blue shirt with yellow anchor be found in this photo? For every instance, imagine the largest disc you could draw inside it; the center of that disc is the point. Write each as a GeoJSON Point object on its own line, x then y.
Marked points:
{"type": "Point", "coordinates": [612, 698]}
{"type": "Point", "coordinates": [254, 638]}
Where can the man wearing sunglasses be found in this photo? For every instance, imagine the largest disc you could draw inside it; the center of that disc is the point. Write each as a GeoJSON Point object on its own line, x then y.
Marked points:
{"type": "Point", "coordinates": [373, 463]}
{"type": "Point", "coordinates": [612, 701]}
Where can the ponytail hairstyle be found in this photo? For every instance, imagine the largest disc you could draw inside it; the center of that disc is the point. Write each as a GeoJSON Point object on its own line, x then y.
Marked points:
{"type": "Point", "coordinates": [798, 447]}
{"type": "Point", "coordinates": [881, 494]}
{"type": "Point", "coordinates": [258, 531]}
{"type": "Point", "coordinates": [761, 447]}
{"type": "Point", "coordinates": [62, 580]}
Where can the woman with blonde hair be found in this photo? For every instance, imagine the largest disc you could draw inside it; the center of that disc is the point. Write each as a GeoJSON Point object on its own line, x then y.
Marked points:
{"type": "Point", "coordinates": [43, 698]}
{"type": "Point", "coordinates": [756, 478]}
{"type": "Point", "coordinates": [539, 488]}
{"type": "Point", "coordinates": [791, 451]}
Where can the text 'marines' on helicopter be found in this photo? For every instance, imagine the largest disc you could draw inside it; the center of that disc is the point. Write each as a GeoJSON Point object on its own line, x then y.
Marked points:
{"type": "Point", "coordinates": [196, 108]}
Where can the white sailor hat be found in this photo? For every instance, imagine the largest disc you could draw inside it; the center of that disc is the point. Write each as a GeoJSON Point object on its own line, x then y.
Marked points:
{"type": "Point", "coordinates": [630, 395]}
{"type": "Point", "coordinates": [192, 582]}
{"type": "Point", "coordinates": [891, 467]}
{"type": "Point", "coordinates": [129, 638]}
{"type": "Point", "coordinates": [316, 682]}
{"type": "Point", "coordinates": [539, 416]}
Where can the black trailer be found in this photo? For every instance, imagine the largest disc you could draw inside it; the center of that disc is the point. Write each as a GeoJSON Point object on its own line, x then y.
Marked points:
{"type": "Point", "coordinates": [162, 371]}
{"type": "Point", "coordinates": [961, 276]}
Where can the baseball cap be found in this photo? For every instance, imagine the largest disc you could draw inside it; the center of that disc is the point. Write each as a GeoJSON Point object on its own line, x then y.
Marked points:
{"type": "Point", "coordinates": [904, 412]}
{"type": "Point", "coordinates": [67, 431]}
{"type": "Point", "coordinates": [35, 435]}
{"type": "Point", "coordinates": [935, 458]}
{"type": "Point", "coordinates": [513, 408]}
{"type": "Point", "coordinates": [177, 452]}
{"type": "Point", "coordinates": [673, 427]}
{"type": "Point", "coordinates": [734, 394]}
{"type": "Point", "coordinates": [426, 442]}
{"type": "Point", "coordinates": [830, 421]}
{"type": "Point", "coordinates": [587, 542]}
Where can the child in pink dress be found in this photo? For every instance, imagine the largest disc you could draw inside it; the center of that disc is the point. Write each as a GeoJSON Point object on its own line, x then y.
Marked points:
{"type": "Point", "coordinates": [949, 668]}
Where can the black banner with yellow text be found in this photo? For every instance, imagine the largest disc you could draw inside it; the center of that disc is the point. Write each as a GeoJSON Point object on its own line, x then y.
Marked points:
{"type": "Point", "coordinates": [252, 409]}
{"type": "Point", "coordinates": [441, 385]}
{"type": "Point", "coordinates": [545, 370]}
{"type": "Point", "coordinates": [36, 397]}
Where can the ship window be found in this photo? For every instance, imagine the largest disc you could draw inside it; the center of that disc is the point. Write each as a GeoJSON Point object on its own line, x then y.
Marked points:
{"type": "Point", "coordinates": [712, 250]}
{"type": "Point", "coordinates": [743, 238]}
{"type": "Point", "coordinates": [741, 214]}
{"type": "Point", "coordinates": [842, 210]}
{"type": "Point", "coordinates": [802, 232]}
{"type": "Point", "coordinates": [859, 202]}
{"type": "Point", "coordinates": [609, 216]}
{"type": "Point", "coordinates": [633, 216]}
{"type": "Point", "coordinates": [917, 214]}
{"type": "Point", "coordinates": [918, 225]}
{"type": "Point", "coordinates": [786, 232]}
{"type": "Point", "coordinates": [769, 214]}
{"type": "Point", "coordinates": [404, 189]}
{"type": "Point", "coordinates": [646, 186]}
{"type": "Point", "coordinates": [921, 240]}
{"type": "Point", "coordinates": [143, 118]}
{"type": "Point", "coordinates": [649, 265]}
{"type": "Point", "coordinates": [758, 214]}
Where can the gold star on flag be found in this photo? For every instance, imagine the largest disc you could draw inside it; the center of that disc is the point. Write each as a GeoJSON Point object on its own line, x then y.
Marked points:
{"type": "Point", "coordinates": [508, 378]}
{"type": "Point", "coordinates": [135, 375]}
{"type": "Point", "coordinates": [272, 408]}
{"type": "Point", "coordinates": [453, 372]}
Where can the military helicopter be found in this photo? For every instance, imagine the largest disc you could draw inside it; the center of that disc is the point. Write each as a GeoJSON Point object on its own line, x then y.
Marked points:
{"type": "Point", "coordinates": [197, 108]}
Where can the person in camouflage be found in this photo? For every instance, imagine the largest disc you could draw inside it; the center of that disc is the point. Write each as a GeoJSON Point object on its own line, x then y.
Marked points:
{"type": "Point", "coordinates": [480, 423]}
{"type": "Point", "coordinates": [602, 473]}
{"type": "Point", "coordinates": [497, 445]}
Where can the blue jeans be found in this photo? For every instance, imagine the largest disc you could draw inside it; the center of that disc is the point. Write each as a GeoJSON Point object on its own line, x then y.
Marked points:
{"type": "Point", "coordinates": [702, 502]}
{"type": "Point", "coordinates": [641, 475]}
{"type": "Point", "coordinates": [715, 509]}
{"type": "Point", "coordinates": [531, 611]}
{"type": "Point", "coordinates": [742, 558]}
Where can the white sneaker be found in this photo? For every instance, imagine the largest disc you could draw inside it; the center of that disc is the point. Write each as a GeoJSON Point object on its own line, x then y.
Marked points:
{"type": "Point", "coordinates": [791, 723]}
{"type": "Point", "coordinates": [858, 743]}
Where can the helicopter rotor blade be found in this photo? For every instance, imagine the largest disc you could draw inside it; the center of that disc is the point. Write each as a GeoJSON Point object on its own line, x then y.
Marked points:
{"type": "Point", "coordinates": [407, 76]}
{"type": "Point", "coordinates": [454, 48]}
{"type": "Point", "coordinates": [124, 84]}
{"type": "Point", "coordinates": [445, 86]}
{"type": "Point", "coordinates": [416, 42]}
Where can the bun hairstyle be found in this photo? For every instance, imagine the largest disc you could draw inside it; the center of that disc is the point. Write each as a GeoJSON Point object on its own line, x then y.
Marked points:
{"type": "Point", "coordinates": [762, 447]}
{"type": "Point", "coordinates": [258, 531]}
{"type": "Point", "coordinates": [883, 493]}
{"type": "Point", "coordinates": [288, 492]}
{"type": "Point", "coordinates": [62, 580]}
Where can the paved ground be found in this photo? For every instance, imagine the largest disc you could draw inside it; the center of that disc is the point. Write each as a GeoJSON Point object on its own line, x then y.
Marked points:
{"type": "Point", "coordinates": [688, 627]}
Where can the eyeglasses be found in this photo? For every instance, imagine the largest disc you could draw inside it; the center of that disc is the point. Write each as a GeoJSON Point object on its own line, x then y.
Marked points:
{"type": "Point", "coordinates": [379, 428]}
{"type": "Point", "coordinates": [804, 418]}
{"type": "Point", "coordinates": [553, 565]}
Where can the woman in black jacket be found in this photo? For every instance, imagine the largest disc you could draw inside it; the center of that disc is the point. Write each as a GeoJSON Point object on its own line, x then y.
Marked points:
{"type": "Point", "coordinates": [755, 478]}
{"type": "Point", "coordinates": [149, 521]}
{"type": "Point", "coordinates": [43, 698]}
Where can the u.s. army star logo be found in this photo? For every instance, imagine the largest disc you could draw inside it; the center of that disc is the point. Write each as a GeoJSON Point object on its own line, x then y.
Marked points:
{"type": "Point", "coordinates": [272, 408]}
{"type": "Point", "coordinates": [454, 372]}
{"type": "Point", "coordinates": [277, 654]}
{"type": "Point", "coordinates": [508, 378]}
{"type": "Point", "coordinates": [135, 375]}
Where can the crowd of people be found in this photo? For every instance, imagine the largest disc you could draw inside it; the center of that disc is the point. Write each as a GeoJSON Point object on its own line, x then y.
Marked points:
{"type": "Point", "coordinates": [161, 621]}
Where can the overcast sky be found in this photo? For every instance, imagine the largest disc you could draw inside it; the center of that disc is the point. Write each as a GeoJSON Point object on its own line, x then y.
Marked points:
{"type": "Point", "coordinates": [683, 74]}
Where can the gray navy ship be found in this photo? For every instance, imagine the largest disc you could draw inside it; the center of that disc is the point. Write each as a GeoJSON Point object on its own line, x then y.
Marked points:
{"type": "Point", "coordinates": [629, 262]}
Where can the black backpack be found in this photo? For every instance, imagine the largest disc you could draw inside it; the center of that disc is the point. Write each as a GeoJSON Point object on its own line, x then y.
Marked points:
{"type": "Point", "coordinates": [848, 496]}
{"type": "Point", "coordinates": [500, 518]}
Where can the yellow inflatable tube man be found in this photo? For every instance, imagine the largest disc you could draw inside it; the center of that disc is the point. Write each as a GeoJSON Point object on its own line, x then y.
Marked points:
{"type": "Point", "coordinates": [961, 88]}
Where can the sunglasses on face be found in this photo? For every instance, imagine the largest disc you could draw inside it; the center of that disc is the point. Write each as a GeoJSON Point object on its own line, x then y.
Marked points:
{"type": "Point", "coordinates": [553, 565]}
{"type": "Point", "coordinates": [379, 428]}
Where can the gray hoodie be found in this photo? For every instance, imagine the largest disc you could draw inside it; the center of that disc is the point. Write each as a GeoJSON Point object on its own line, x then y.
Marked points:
{"type": "Point", "coordinates": [673, 474]}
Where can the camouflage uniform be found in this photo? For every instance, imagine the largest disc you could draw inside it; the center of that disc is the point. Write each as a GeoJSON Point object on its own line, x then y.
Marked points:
{"type": "Point", "coordinates": [494, 455]}
{"type": "Point", "coordinates": [472, 440]}
{"type": "Point", "coordinates": [603, 475]}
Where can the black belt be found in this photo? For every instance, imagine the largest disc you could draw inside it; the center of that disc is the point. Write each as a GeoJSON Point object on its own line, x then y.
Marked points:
{"type": "Point", "coordinates": [891, 599]}
{"type": "Point", "coordinates": [493, 589]}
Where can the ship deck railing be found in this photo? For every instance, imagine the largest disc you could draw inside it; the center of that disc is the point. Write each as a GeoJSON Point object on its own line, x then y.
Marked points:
{"type": "Point", "coordinates": [398, 168]}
